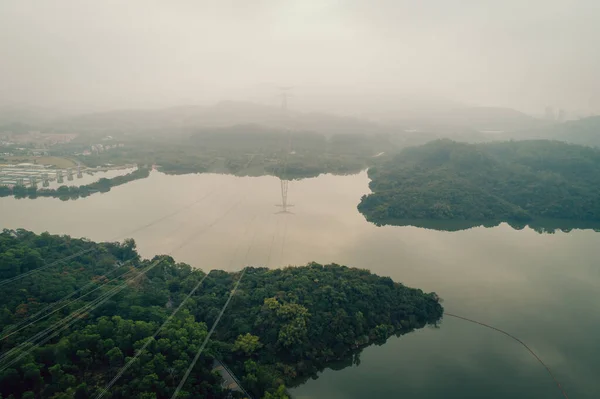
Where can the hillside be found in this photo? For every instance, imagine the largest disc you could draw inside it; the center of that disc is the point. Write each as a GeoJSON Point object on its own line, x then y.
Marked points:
{"type": "Point", "coordinates": [584, 131]}
{"type": "Point", "coordinates": [223, 114]}
{"type": "Point", "coordinates": [489, 182]}
{"type": "Point", "coordinates": [479, 119]}
{"type": "Point", "coordinates": [491, 118]}
{"type": "Point", "coordinates": [28, 115]}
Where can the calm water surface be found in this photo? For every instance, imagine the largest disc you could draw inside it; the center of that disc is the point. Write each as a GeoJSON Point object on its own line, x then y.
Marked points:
{"type": "Point", "coordinates": [543, 288]}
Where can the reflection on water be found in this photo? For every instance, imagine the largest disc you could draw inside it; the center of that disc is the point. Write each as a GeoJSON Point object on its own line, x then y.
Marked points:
{"type": "Point", "coordinates": [285, 206]}
{"type": "Point", "coordinates": [90, 176]}
{"type": "Point", "coordinates": [543, 288]}
{"type": "Point", "coordinates": [541, 226]}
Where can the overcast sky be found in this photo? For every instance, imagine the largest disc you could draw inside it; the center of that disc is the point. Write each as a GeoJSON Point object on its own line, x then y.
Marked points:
{"type": "Point", "coordinates": [134, 53]}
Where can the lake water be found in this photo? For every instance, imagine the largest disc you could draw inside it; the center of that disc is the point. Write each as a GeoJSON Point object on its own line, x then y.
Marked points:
{"type": "Point", "coordinates": [543, 288]}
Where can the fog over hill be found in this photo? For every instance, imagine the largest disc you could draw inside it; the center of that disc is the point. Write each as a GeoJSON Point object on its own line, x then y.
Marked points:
{"type": "Point", "coordinates": [584, 131]}
{"type": "Point", "coordinates": [227, 113]}
{"type": "Point", "coordinates": [477, 118]}
{"type": "Point", "coordinates": [450, 121]}
{"type": "Point", "coordinates": [351, 57]}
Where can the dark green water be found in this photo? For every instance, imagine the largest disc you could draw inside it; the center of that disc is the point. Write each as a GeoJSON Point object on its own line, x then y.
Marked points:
{"type": "Point", "coordinates": [543, 288]}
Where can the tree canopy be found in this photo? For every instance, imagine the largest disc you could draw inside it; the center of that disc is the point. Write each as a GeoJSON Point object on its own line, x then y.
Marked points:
{"type": "Point", "coordinates": [490, 182]}
{"type": "Point", "coordinates": [281, 327]}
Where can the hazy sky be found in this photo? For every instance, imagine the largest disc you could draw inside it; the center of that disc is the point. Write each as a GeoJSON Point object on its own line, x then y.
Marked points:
{"type": "Point", "coordinates": [132, 53]}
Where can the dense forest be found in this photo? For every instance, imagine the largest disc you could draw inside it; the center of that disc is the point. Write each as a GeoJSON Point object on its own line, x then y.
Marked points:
{"type": "Point", "coordinates": [281, 327]}
{"type": "Point", "coordinates": [65, 193]}
{"type": "Point", "coordinates": [511, 181]}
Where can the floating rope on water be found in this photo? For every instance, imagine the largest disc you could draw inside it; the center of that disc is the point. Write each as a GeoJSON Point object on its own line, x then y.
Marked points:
{"type": "Point", "coordinates": [519, 341]}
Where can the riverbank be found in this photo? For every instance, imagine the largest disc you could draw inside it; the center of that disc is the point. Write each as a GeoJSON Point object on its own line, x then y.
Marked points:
{"type": "Point", "coordinates": [73, 192]}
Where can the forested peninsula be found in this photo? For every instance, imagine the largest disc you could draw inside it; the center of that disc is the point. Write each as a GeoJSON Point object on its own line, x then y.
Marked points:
{"type": "Point", "coordinates": [518, 182]}
{"type": "Point", "coordinates": [281, 327]}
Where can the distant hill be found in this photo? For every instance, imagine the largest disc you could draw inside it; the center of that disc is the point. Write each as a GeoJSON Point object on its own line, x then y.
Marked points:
{"type": "Point", "coordinates": [584, 131]}
{"type": "Point", "coordinates": [506, 181]}
{"type": "Point", "coordinates": [21, 115]}
{"type": "Point", "coordinates": [482, 119]}
{"type": "Point", "coordinates": [16, 128]}
{"type": "Point", "coordinates": [473, 124]}
{"type": "Point", "coordinates": [227, 113]}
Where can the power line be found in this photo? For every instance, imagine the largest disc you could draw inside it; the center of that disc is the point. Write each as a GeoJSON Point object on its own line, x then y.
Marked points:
{"type": "Point", "coordinates": [271, 246]}
{"type": "Point", "coordinates": [519, 341]}
{"type": "Point", "coordinates": [189, 370]}
{"type": "Point", "coordinates": [39, 269]}
{"type": "Point", "coordinates": [74, 317]}
{"type": "Point", "coordinates": [217, 220]}
{"type": "Point", "coordinates": [179, 210]}
{"type": "Point", "coordinates": [285, 226]}
{"type": "Point", "coordinates": [69, 320]}
{"type": "Point", "coordinates": [82, 252]}
{"type": "Point", "coordinates": [214, 326]}
{"type": "Point", "coordinates": [150, 339]}
{"type": "Point", "coordinates": [18, 326]}
{"type": "Point", "coordinates": [284, 193]}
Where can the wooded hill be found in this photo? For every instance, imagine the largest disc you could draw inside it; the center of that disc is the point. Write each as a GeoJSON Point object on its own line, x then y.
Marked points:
{"type": "Point", "coordinates": [506, 181]}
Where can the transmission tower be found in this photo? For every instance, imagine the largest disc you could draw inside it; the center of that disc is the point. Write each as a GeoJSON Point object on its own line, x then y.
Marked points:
{"type": "Point", "coordinates": [59, 176]}
{"type": "Point", "coordinates": [69, 174]}
{"type": "Point", "coordinates": [285, 94]}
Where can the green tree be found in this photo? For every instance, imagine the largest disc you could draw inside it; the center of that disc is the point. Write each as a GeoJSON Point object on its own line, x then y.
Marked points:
{"type": "Point", "coordinates": [81, 392]}
{"type": "Point", "coordinates": [247, 343]}
{"type": "Point", "coordinates": [279, 393]}
{"type": "Point", "coordinates": [115, 357]}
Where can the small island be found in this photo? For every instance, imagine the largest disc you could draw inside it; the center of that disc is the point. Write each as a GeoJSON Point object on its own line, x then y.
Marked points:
{"type": "Point", "coordinates": [466, 185]}
{"type": "Point", "coordinates": [281, 327]}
